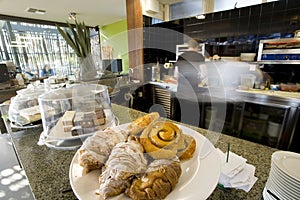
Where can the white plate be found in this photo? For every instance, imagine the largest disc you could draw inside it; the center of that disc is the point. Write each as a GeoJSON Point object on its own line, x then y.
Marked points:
{"type": "Point", "coordinates": [265, 194]}
{"type": "Point", "coordinates": [284, 178]}
{"type": "Point", "coordinates": [282, 191]}
{"type": "Point", "coordinates": [199, 177]}
{"type": "Point", "coordinates": [27, 126]}
{"type": "Point", "coordinates": [288, 162]}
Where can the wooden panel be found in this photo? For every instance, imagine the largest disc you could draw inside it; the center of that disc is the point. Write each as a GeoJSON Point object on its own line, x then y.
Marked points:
{"type": "Point", "coordinates": [135, 38]}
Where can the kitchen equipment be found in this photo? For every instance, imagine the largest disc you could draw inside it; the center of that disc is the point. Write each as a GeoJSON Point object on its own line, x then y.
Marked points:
{"type": "Point", "coordinates": [273, 129]}
{"type": "Point", "coordinates": [156, 73]}
{"type": "Point", "coordinates": [289, 87]}
{"type": "Point", "coordinates": [248, 57]}
{"type": "Point", "coordinates": [297, 34]}
{"type": "Point", "coordinates": [273, 132]}
{"type": "Point", "coordinates": [274, 87]}
{"type": "Point", "coordinates": [181, 48]}
{"type": "Point", "coordinates": [113, 65]}
{"type": "Point", "coordinates": [279, 51]}
{"type": "Point", "coordinates": [247, 81]}
{"type": "Point", "coordinates": [70, 115]}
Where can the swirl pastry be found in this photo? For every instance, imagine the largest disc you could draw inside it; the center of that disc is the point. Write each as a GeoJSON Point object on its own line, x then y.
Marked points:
{"type": "Point", "coordinates": [141, 123]}
{"type": "Point", "coordinates": [161, 140]}
{"type": "Point", "coordinates": [189, 148]}
{"type": "Point", "coordinates": [126, 160]}
{"type": "Point", "coordinates": [159, 180]}
{"type": "Point", "coordinates": [96, 149]}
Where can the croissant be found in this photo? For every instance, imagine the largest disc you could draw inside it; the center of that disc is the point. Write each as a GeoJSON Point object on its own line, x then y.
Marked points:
{"type": "Point", "coordinates": [161, 140]}
{"type": "Point", "coordinates": [141, 123]}
{"type": "Point", "coordinates": [96, 149]}
{"type": "Point", "coordinates": [126, 160]}
{"type": "Point", "coordinates": [159, 180]}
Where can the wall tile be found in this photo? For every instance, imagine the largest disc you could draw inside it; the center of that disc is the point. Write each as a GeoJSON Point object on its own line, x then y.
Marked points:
{"type": "Point", "coordinates": [293, 4]}
{"type": "Point", "coordinates": [225, 15]}
{"type": "Point", "coordinates": [244, 12]}
{"type": "Point", "coordinates": [268, 8]}
{"type": "Point", "coordinates": [255, 10]}
{"type": "Point", "coordinates": [260, 21]}
{"type": "Point", "coordinates": [217, 16]}
{"type": "Point", "coordinates": [234, 13]}
{"type": "Point", "coordinates": [281, 5]}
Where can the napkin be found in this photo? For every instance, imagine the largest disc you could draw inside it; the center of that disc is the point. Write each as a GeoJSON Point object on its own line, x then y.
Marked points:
{"type": "Point", "coordinates": [236, 173]}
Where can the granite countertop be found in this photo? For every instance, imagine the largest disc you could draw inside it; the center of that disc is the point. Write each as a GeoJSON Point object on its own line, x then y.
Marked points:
{"type": "Point", "coordinates": [48, 169]}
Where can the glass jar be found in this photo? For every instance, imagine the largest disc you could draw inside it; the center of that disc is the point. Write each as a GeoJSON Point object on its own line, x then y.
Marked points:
{"type": "Point", "coordinates": [156, 73]}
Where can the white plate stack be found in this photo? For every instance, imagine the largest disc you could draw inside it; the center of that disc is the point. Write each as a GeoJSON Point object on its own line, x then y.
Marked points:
{"type": "Point", "coordinates": [284, 177]}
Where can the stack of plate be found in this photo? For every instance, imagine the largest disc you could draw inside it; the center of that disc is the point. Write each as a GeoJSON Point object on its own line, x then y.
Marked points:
{"type": "Point", "coordinates": [284, 177]}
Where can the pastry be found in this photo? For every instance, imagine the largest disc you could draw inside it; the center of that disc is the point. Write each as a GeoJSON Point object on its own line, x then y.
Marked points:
{"type": "Point", "coordinates": [158, 181]}
{"type": "Point", "coordinates": [162, 139]}
{"type": "Point", "coordinates": [96, 149]}
{"type": "Point", "coordinates": [68, 117]}
{"type": "Point", "coordinates": [189, 148]}
{"type": "Point", "coordinates": [31, 114]}
{"type": "Point", "coordinates": [126, 160]}
{"type": "Point", "coordinates": [141, 123]}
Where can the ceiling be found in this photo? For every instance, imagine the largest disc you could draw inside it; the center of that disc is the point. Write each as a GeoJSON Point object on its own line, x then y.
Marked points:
{"type": "Point", "coordinates": [92, 12]}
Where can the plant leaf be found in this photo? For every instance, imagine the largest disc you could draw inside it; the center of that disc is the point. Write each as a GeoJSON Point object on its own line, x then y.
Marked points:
{"type": "Point", "coordinates": [80, 42]}
{"type": "Point", "coordinates": [69, 40]}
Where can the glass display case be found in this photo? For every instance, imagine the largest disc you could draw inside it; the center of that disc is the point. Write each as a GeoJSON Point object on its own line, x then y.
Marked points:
{"type": "Point", "coordinates": [70, 115]}
{"type": "Point", "coordinates": [24, 109]}
{"type": "Point", "coordinates": [263, 122]}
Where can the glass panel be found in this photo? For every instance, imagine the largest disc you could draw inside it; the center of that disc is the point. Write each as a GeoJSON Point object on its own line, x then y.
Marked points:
{"type": "Point", "coordinates": [30, 46]}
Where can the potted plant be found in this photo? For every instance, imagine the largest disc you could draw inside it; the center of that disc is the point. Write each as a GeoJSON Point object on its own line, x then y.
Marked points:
{"type": "Point", "coordinates": [80, 42]}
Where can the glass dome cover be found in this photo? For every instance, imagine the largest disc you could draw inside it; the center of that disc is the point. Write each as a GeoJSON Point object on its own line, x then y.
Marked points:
{"type": "Point", "coordinates": [69, 115]}
{"type": "Point", "coordinates": [24, 109]}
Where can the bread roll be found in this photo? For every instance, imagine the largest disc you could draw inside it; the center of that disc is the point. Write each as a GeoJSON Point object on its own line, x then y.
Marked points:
{"type": "Point", "coordinates": [159, 180]}
{"type": "Point", "coordinates": [161, 140]}
{"type": "Point", "coordinates": [141, 123]}
{"type": "Point", "coordinates": [189, 148]}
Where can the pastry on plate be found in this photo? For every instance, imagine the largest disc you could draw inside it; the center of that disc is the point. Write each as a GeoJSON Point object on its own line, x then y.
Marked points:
{"type": "Point", "coordinates": [189, 148]}
{"type": "Point", "coordinates": [158, 181]}
{"type": "Point", "coordinates": [138, 125]}
{"type": "Point", "coordinates": [95, 149]}
{"type": "Point", "coordinates": [125, 161]}
{"type": "Point", "coordinates": [162, 139]}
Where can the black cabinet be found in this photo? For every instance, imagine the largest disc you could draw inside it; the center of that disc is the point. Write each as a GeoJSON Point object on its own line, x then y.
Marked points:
{"type": "Point", "coordinates": [263, 122]}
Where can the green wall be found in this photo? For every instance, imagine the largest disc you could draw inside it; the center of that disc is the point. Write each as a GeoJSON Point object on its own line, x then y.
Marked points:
{"type": "Point", "coordinates": [115, 35]}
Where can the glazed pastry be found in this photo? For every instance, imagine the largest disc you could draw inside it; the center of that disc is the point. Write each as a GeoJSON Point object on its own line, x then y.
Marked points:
{"type": "Point", "coordinates": [126, 160]}
{"type": "Point", "coordinates": [189, 148]}
{"type": "Point", "coordinates": [162, 139]}
{"type": "Point", "coordinates": [96, 149]}
{"type": "Point", "coordinates": [159, 180]}
{"type": "Point", "coordinates": [141, 123]}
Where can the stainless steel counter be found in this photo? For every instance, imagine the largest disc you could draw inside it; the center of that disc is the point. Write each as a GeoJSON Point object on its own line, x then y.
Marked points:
{"type": "Point", "coordinates": [231, 102]}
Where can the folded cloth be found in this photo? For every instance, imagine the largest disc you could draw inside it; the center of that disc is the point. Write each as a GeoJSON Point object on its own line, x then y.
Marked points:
{"type": "Point", "coordinates": [236, 173]}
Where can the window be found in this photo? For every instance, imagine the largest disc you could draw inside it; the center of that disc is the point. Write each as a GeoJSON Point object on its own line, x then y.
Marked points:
{"type": "Point", "coordinates": [31, 45]}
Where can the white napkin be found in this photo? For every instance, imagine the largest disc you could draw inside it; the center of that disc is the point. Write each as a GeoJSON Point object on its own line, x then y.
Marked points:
{"type": "Point", "coordinates": [236, 173]}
